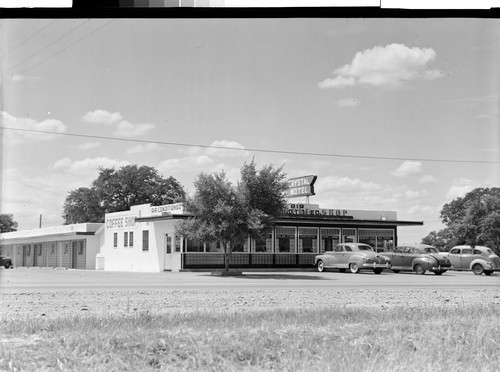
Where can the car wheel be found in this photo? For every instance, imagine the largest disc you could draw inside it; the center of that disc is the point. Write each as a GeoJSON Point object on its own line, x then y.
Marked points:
{"type": "Point", "coordinates": [478, 269]}
{"type": "Point", "coordinates": [488, 272]}
{"type": "Point", "coordinates": [419, 270]}
{"type": "Point", "coordinates": [395, 271]}
{"type": "Point", "coordinates": [321, 266]}
{"type": "Point", "coordinates": [354, 268]}
{"type": "Point", "coordinates": [377, 271]}
{"type": "Point", "coordinates": [438, 272]}
{"type": "Point", "coordinates": [7, 265]}
{"type": "Point", "coordinates": [342, 270]}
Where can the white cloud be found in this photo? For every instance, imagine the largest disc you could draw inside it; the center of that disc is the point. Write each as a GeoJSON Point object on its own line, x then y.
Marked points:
{"type": "Point", "coordinates": [411, 194]}
{"type": "Point", "coordinates": [460, 187]}
{"type": "Point", "coordinates": [143, 148]}
{"type": "Point", "coordinates": [185, 164]}
{"type": "Point", "coordinates": [89, 145]}
{"type": "Point", "coordinates": [102, 117]}
{"type": "Point", "coordinates": [89, 165]}
{"type": "Point", "coordinates": [226, 149]}
{"type": "Point", "coordinates": [51, 126]}
{"type": "Point", "coordinates": [391, 65]}
{"type": "Point", "coordinates": [407, 168]}
{"type": "Point", "coordinates": [62, 163]}
{"type": "Point", "coordinates": [17, 78]}
{"type": "Point", "coordinates": [344, 184]}
{"type": "Point", "coordinates": [427, 179]}
{"type": "Point", "coordinates": [348, 102]}
{"type": "Point", "coordinates": [422, 210]}
{"type": "Point", "coordinates": [123, 127]}
{"type": "Point", "coordinates": [126, 129]}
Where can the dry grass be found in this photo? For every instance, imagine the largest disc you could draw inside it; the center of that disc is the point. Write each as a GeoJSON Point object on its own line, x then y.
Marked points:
{"type": "Point", "coordinates": [327, 339]}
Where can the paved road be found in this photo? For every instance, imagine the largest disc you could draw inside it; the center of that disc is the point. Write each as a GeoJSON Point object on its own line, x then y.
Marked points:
{"type": "Point", "coordinates": [46, 279]}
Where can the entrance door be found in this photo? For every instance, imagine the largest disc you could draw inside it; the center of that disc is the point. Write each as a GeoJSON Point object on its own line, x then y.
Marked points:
{"type": "Point", "coordinates": [168, 253]}
{"type": "Point", "coordinates": [74, 255]}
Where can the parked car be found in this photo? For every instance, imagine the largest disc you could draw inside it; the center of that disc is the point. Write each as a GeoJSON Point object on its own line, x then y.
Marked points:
{"type": "Point", "coordinates": [352, 256]}
{"type": "Point", "coordinates": [418, 258]}
{"type": "Point", "coordinates": [5, 262]}
{"type": "Point", "coordinates": [478, 259]}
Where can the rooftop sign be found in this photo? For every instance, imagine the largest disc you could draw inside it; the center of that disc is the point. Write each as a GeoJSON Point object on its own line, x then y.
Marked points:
{"type": "Point", "coordinates": [301, 186]}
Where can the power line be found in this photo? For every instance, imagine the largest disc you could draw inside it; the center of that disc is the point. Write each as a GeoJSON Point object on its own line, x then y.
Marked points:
{"type": "Point", "coordinates": [28, 39]}
{"type": "Point", "coordinates": [250, 149]}
{"type": "Point", "coordinates": [47, 46]}
{"type": "Point", "coordinates": [70, 45]}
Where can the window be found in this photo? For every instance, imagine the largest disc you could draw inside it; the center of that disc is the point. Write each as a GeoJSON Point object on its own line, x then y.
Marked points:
{"type": "Point", "coordinates": [477, 251]}
{"type": "Point", "coordinates": [408, 250]}
{"type": "Point", "coordinates": [339, 248]}
{"type": "Point", "coordinates": [38, 249]}
{"type": "Point", "coordinates": [263, 244]}
{"type": "Point", "coordinates": [349, 249]}
{"type": "Point", "coordinates": [285, 239]}
{"type": "Point", "coordinates": [115, 240]}
{"type": "Point", "coordinates": [131, 239]}
{"type": "Point", "coordinates": [194, 245]}
{"type": "Point", "coordinates": [125, 239]}
{"type": "Point", "coordinates": [177, 243]}
{"type": "Point", "coordinates": [80, 247]}
{"type": "Point", "coordinates": [431, 250]}
{"type": "Point", "coordinates": [145, 240]}
{"type": "Point", "coordinates": [308, 239]}
{"type": "Point", "coordinates": [53, 249]}
{"type": "Point", "coordinates": [455, 251]}
{"type": "Point", "coordinates": [467, 251]}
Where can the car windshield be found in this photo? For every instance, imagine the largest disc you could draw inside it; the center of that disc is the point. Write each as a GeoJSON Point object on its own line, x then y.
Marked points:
{"type": "Point", "coordinates": [431, 250]}
{"type": "Point", "coordinates": [364, 248]}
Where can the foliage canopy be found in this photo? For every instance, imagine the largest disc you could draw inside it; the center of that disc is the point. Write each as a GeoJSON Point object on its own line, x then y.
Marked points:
{"type": "Point", "coordinates": [229, 214]}
{"type": "Point", "coordinates": [118, 190]}
{"type": "Point", "coordinates": [7, 223]}
{"type": "Point", "coordinates": [473, 220]}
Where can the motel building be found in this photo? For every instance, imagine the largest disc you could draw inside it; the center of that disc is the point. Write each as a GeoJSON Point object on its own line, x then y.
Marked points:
{"type": "Point", "coordinates": [144, 239]}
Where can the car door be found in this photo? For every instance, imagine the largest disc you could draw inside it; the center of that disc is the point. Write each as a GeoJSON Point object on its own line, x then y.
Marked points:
{"type": "Point", "coordinates": [338, 257]}
{"type": "Point", "coordinates": [396, 256]}
{"type": "Point", "coordinates": [454, 257]}
{"type": "Point", "coordinates": [466, 257]}
{"type": "Point", "coordinates": [407, 257]}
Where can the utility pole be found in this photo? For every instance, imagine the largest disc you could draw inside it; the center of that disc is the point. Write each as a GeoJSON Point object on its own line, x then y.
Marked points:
{"type": "Point", "coordinates": [40, 223]}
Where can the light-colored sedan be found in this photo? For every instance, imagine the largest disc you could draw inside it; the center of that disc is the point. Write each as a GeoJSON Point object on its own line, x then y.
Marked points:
{"type": "Point", "coordinates": [352, 256]}
{"type": "Point", "coordinates": [418, 258]}
{"type": "Point", "coordinates": [478, 259]}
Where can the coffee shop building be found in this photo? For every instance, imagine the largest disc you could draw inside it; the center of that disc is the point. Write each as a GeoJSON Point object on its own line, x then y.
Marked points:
{"type": "Point", "coordinates": [144, 239]}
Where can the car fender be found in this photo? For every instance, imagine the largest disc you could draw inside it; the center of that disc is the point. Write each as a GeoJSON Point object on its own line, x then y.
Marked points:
{"type": "Point", "coordinates": [424, 262]}
{"type": "Point", "coordinates": [486, 264]}
{"type": "Point", "coordinates": [356, 258]}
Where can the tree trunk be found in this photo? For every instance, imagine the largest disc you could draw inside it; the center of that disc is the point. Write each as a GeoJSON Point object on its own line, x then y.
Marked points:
{"type": "Point", "coordinates": [227, 252]}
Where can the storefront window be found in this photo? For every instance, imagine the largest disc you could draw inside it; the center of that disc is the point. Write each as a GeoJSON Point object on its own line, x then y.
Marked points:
{"type": "Point", "coordinates": [115, 240]}
{"type": "Point", "coordinates": [194, 245]}
{"type": "Point", "coordinates": [380, 239]}
{"type": "Point", "coordinates": [177, 243]}
{"type": "Point", "coordinates": [215, 247]}
{"type": "Point", "coordinates": [308, 240]}
{"type": "Point", "coordinates": [285, 239]}
{"type": "Point", "coordinates": [263, 244]}
{"type": "Point", "coordinates": [125, 239]}
{"type": "Point", "coordinates": [241, 247]}
{"type": "Point", "coordinates": [330, 237]}
{"type": "Point", "coordinates": [131, 239]}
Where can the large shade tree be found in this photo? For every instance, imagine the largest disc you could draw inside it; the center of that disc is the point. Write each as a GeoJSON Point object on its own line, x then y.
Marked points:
{"type": "Point", "coordinates": [7, 223]}
{"type": "Point", "coordinates": [228, 213]}
{"type": "Point", "coordinates": [118, 190]}
{"type": "Point", "coordinates": [473, 219]}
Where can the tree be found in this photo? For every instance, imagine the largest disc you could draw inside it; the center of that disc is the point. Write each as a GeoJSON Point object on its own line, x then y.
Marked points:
{"type": "Point", "coordinates": [473, 219]}
{"type": "Point", "coordinates": [118, 190]}
{"type": "Point", "coordinates": [7, 223]}
{"type": "Point", "coordinates": [83, 205]}
{"type": "Point", "coordinates": [230, 214]}
{"type": "Point", "coordinates": [442, 239]}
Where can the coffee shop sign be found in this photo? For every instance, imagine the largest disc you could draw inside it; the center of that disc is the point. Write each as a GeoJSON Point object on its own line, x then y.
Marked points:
{"type": "Point", "coordinates": [314, 210]}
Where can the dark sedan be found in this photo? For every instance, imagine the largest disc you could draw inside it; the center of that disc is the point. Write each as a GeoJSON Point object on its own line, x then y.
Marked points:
{"type": "Point", "coordinates": [418, 258]}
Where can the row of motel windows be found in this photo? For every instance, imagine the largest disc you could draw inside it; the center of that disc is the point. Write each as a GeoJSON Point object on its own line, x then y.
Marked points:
{"type": "Point", "coordinates": [285, 240]}
{"type": "Point", "coordinates": [38, 248]}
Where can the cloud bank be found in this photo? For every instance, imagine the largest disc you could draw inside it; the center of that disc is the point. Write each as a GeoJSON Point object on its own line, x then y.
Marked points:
{"type": "Point", "coordinates": [391, 65]}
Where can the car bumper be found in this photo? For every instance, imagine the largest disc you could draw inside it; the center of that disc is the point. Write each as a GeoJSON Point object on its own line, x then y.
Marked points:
{"type": "Point", "coordinates": [440, 268]}
{"type": "Point", "coordinates": [376, 265]}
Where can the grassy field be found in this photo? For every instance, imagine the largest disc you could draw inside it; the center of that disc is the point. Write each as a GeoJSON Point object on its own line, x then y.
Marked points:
{"type": "Point", "coordinates": [464, 338]}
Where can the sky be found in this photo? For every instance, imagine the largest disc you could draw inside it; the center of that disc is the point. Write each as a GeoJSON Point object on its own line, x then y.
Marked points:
{"type": "Point", "coordinates": [390, 114]}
